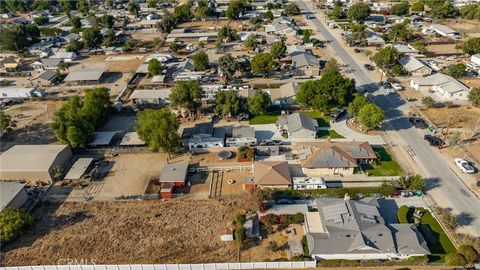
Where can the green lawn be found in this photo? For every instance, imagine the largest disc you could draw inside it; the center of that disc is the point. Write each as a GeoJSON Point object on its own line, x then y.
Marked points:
{"type": "Point", "coordinates": [386, 165]}
{"type": "Point", "coordinates": [269, 118]}
{"type": "Point", "coordinates": [323, 121]}
{"type": "Point", "coordinates": [437, 240]}
{"type": "Point", "coordinates": [325, 134]}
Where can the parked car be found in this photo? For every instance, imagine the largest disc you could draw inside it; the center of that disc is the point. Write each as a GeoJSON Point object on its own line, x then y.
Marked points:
{"type": "Point", "coordinates": [433, 140]}
{"type": "Point", "coordinates": [478, 184]}
{"type": "Point", "coordinates": [418, 122]}
{"type": "Point", "coordinates": [369, 67]}
{"type": "Point", "coordinates": [337, 114]}
{"type": "Point", "coordinates": [357, 50]}
{"type": "Point", "coordinates": [397, 86]}
{"type": "Point", "coordinates": [464, 165]}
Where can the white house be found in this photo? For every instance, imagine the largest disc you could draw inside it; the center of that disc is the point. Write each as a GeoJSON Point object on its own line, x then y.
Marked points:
{"type": "Point", "coordinates": [444, 86]}
{"type": "Point", "coordinates": [445, 31]}
{"type": "Point", "coordinates": [414, 66]}
{"type": "Point", "coordinates": [19, 92]}
{"type": "Point", "coordinates": [475, 60]}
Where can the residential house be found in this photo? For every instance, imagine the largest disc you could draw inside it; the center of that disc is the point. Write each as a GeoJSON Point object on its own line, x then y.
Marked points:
{"type": "Point", "coordinates": [242, 136]}
{"type": "Point", "coordinates": [475, 59]}
{"type": "Point", "coordinates": [445, 87]}
{"type": "Point", "coordinates": [295, 49]}
{"type": "Point", "coordinates": [10, 63]}
{"type": "Point", "coordinates": [204, 135]}
{"type": "Point", "coordinates": [271, 174]}
{"type": "Point", "coordinates": [45, 79]}
{"type": "Point", "coordinates": [267, 151]}
{"type": "Point", "coordinates": [298, 126]}
{"type": "Point", "coordinates": [445, 31]}
{"type": "Point", "coordinates": [85, 76]}
{"type": "Point", "coordinates": [355, 230]}
{"type": "Point", "coordinates": [405, 49]}
{"type": "Point", "coordinates": [62, 53]}
{"type": "Point", "coordinates": [284, 95]}
{"type": "Point", "coordinates": [333, 158]}
{"type": "Point", "coordinates": [305, 64]}
{"type": "Point", "coordinates": [19, 92]}
{"type": "Point", "coordinates": [375, 40]}
{"type": "Point", "coordinates": [151, 96]}
{"type": "Point", "coordinates": [414, 66]}
{"type": "Point", "coordinates": [281, 26]}
{"type": "Point", "coordinates": [46, 64]}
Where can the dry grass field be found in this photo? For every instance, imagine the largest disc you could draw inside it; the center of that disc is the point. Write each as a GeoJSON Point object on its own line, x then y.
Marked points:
{"type": "Point", "coordinates": [176, 231]}
{"type": "Point", "coordinates": [461, 117]}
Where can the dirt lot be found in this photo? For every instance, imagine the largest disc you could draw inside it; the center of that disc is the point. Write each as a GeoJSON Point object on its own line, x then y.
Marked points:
{"type": "Point", "coordinates": [177, 231]}
{"type": "Point", "coordinates": [464, 118]}
{"type": "Point", "coordinates": [468, 27]}
{"type": "Point", "coordinates": [258, 250]}
{"type": "Point", "coordinates": [131, 174]}
{"type": "Point", "coordinates": [36, 115]}
{"type": "Point", "coordinates": [440, 49]}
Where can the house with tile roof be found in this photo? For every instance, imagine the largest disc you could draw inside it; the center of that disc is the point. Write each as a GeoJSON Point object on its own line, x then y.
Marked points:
{"type": "Point", "coordinates": [332, 158]}
{"type": "Point", "coordinates": [271, 174]}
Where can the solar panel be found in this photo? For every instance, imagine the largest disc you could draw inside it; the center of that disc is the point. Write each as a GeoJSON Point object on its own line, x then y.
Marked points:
{"type": "Point", "coordinates": [357, 151]}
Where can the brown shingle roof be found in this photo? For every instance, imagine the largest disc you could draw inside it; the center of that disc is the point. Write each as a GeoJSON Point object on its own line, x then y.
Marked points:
{"type": "Point", "coordinates": [270, 173]}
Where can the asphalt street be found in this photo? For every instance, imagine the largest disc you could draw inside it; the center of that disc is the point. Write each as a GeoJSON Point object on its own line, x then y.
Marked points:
{"type": "Point", "coordinates": [443, 185]}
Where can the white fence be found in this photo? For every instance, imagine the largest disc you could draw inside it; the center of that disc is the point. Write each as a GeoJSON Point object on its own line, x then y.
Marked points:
{"type": "Point", "coordinates": [201, 266]}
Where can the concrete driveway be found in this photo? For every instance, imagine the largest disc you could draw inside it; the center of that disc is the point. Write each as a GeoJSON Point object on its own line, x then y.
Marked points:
{"type": "Point", "coordinates": [350, 135]}
{"type": "Point", "coordinates": [268, 131]}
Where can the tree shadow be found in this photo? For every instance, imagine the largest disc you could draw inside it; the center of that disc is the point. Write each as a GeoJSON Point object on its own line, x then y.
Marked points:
{"type": "Point", "coordinates": [465, 219]}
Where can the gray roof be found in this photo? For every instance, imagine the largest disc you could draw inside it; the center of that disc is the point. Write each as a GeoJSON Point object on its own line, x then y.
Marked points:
{"type": "Point", "coordinates": [298, 121]}
{"type": "Point", "coordinates": [102, 138]}
{"type": "Point", "coordinates": [78, 168]}
{"type": "Point", "coordinates": [51, 62]}
{"type": "Point", "coordinates": [87, 74]}
{"type": "Point", "coordinates": [47, 75]}
{"type": "Point", "coordinates": [305, 59]}
{"type": "Point", "coordinates": [30, 158]}
{"type": "Point", "coordinates": [353, 227]}
{"type": "Point", "coordinates": [243, 132]}
{"type": "Point", "coordinates": [8, 191]}
{"type": "Point", "coordinates": [443, 81]}
{"type": "Point", "coordinates": [411, 63]}
{"type": "Point", "coordinates": [174, 172]}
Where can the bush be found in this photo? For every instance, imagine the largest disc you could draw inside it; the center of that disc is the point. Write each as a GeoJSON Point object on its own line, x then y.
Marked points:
{"type": "Point", "coordinates": [455, 259]}
{"type": "Point", "coordinates": [239, 230]}
{"type": "Point", "coordinates": [402, 214]}
{"type": "Point", "coordinates": [306, 252]}
{"type": "Point", "coordinates": [469, 253]}
{"type": "Point", "coordinates": [13, 223]}
{"type": "Point", "coordinates": [273, 246]}
{"type": "Point", "coordinates": [354, 193]}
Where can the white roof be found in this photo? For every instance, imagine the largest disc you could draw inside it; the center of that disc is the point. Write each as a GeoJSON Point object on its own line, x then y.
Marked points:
{"type": "Point", "coordinates": [411, 63]}
{"type": "Point", "coordinates": [131, 138]}
{"type": "Point", "coordinates": [78, 168]}
{"type": "Point", "coordinates": [16, 92]}
{"type": "Point", "coordinates": [8, 191]}
{"type": "Point", "coordinates": [87, 74]}
{"type": "Point", "coordinates": [102, 138]}
{"type": "Point", "coordinates": [37, 158]}
{"type": "Point", "coordinates": [443, 81]}
{"type": "Point", "coordinates": [442, 28]}
{"type": "Point", "coordinates": [151, 94]}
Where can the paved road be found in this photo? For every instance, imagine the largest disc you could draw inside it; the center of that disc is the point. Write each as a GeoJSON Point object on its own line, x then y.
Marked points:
{"type": "Point", "coordinates": [443, 185]}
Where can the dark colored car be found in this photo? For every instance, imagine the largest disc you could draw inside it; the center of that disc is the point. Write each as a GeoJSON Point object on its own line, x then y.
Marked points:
{"type": "Point", "coordinates": [337, 114]}
{"type": "Point", "coordinates": [418, 122]}
{"type": "Point", "coordinates": [369, 67]}
{"type": "Point", "coordinates": [433, 140]}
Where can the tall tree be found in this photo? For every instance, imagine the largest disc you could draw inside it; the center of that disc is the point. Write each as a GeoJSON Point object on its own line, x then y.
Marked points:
{"type": "Point", "coordinates": [400, 32]}
{"type": "Point", "coordinates": [259, 104]}
{"type": "Point", "coordinates": [227, 103]}
{"type": "Point", "coordinates": [456, 70]}
{"type": "Point", "coordinates": [278, 49]}
{"type": "Point", "coordinates": [6, 122]}
{"type": "Point", "coordinates": [133, 7]}
{"type": "Point", "coordinates": [474, 96]}
{"type": "Point", "coordinates": [418, 6]}
{"type": "Point", "coordinates": [200, 61]}
{"type": "Point", "coordinates": [359, 12]}
{"type": "Point", "coordinates": [251, 42]}
{"type": "Point", "coordinates": [187, 95]}
{"type": "Point", "coordinates": [357, 104]}
{"type": "Point", "coordinates": [228, 65]}
{"type": "Point", "coordinates": [75, 22]}
{"type": "Point", "coordinates": [82, 6]}
{"type": "Point", "coordinates": [444, 10]}
{"type": "Point", "coordinates": [371, 116]}
{"type": "Point", "coordinates": [91, 37]}
{"type": "Point", "coordinates": [107, 20]}
{"type": "Point", "coordinates": [159, 129]}
{"type": "Point", "coordinates": [386, 57]}
{"type": "Point", "coordinates": [400, 9]}
{"type": "Point", "coordinates": [235, 9]}
{"type": "Point", "coordinates": [470, 46]}
{"type": "Point", "coordinates": [263, 63]}
{"type": "Point", "coordinates": [182, 13]}
{"type": "Point", "coordinates": [203, 9]}
{"type": "Point", "coordinates": [154, 67]}
{"type": "Point", "coordinates": [291, 9]}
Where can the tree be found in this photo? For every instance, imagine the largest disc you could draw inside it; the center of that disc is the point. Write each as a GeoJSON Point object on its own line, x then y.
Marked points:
{"type": "Point", "coordinates": [307, 33]}
{"type": "Point", "coordinates": [75, 22]}
{"type": "Point", "coordinates": [385, 57]}
{"type": "Point", "coordinates": [66, 5]}
{"type": "Point", "coordinates": [263, 63]}
{"type": "Point", "coordinates": [418, 6]}
{"type": "Point", "coordinates": [400, 32]}
{"type": "Point", "coordinates": [337, 12]}
{"type": "Point", "coordinates": [235, 9]}
{"type": "Point", "coordinates": [74, 45]}
{"type": "Point", "coordinates": [359, 12]}
{"type": "Point", "coordinates": [200, 61]}
{"type": "Point", "coordinates": [133, 7]}
{"type": "Point", "coordinates": [203, 9]}
{"type": "Point", "coordinates": [278, 49]}
{"type": "Point", "coordinates": [227, 103]}
{"type": "Point", "coordinates": [259, 104]}
{"type": "Point", "coordinates": [420, 46]}
{"type": "Point", "coordinates": [51, 32]}
{"type": "Point", "coordinates": [174, 47]}
{"type": "Point", "coordinates": [227, 33]}
{"type": "Point", "coordinates": [159, 129]}
{"type": "Point", "coordinates": [152, 3]}
{"type": "Point", "coordinates": [448, 218]}
{"type": "Point", "coordinates": [82, 6]}
{"type": "Point", "coordinates": [443, 10]}
{"type": "Point", "coordinates": [455, 259]}
{"type": "Point", "coordinates": [470, 46]}
{"type": "Point", "coordinates": [228, 65]}
{"type": "Point", "coordinates": [456, 70]}
{"type": "Point", "coordinates": [107, 20]}
{"type": "Point", "coordinates": [13, 223]}
{"type": "Point", "coordinates": [470, 12]}
{"type": "Point", "coordinates": [250, 42]}
{"type": "Point", "coordinates": [291, 9]}
{"type": "Point", "coordinates": [12, 39]}
{"type": "Point", "coordinates": [6, 122]}
{"type": "Point", "coordinates": [474, 96]}
{"type": "Point", "coordinates": [187, 95]}
{"type": "Point", "coordinates": [469, 253]}
{"type": "Point", "coordinates": [91, 37]}
{"type": "Point", "coordinates": [182, 13]}
{"type": "Point", "coordinates": [416, 182]}
{"type": "Point", "coordinates": [400, 9]}
{"type": "Point", "coordinates": [371, 116]}
{"type": "Point", "coordinates": [167, 23]}
{"type": "Point", "coordinates": [40, 20]}
{"type": "Point", "coordinates": [268, 15]}
{"type": "Point", "coordinates": [109, 38]}
{"type": "Point", "coordinates": [359, 32]}
{"type": "Point", "coordinates": [428, 102]}
{"type": "Point", "coordinates": [154, 67]}
{"type": "Point", "coordinates": [357, 104]}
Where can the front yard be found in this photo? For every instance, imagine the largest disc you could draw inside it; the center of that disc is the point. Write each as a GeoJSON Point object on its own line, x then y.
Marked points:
{"type": "Point", "coordinates": [322, 120]}
{"type": "Point", "coordinates": [269, 118]}
{"type": "Point", "coordinates": [332, 134]}
{"type": "Point", "coordinates": [385, 166]}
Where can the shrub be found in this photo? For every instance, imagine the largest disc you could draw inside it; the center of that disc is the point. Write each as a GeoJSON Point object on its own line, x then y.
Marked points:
{"type": "Point", "coordinates": [239, 230]}
{"type": "Point", "coordinates": [14, 223]}
{"type": "Point", "coordinates": [469, 253]}
{"type": "Point", "coordinates": [273, 246]}
{"type": "Point", "coordinates": [305, 246]}
{"type": "Point", "coordinates": [455, 259]}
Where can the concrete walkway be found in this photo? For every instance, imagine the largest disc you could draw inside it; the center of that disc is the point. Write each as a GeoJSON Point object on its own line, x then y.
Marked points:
{"type": "Point", "coordinates": [351, 135]}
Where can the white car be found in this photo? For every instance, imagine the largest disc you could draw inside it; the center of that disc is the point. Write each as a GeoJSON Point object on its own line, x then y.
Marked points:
{"type": "Point", "coordinates": [397, 86]}
{"type": "Point", "coordinates": [464, 165]}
